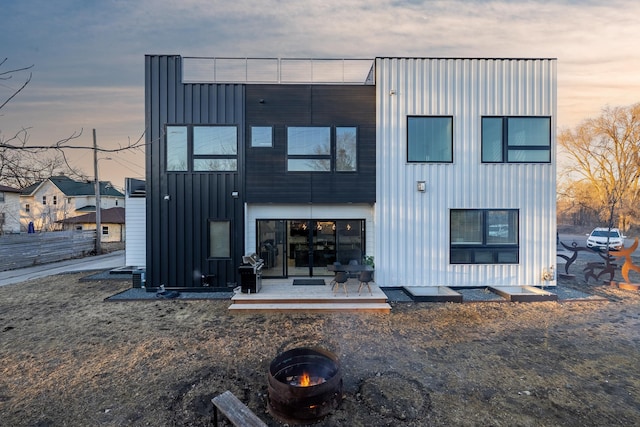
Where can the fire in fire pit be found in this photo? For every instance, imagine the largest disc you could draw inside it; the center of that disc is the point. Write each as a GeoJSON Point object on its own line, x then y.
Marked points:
{"type": "Point", "coordinates": [305, 384]}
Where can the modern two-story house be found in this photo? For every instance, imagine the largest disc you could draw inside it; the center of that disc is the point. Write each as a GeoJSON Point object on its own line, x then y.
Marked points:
{"type": "Point", "coordinates": [442, 170]}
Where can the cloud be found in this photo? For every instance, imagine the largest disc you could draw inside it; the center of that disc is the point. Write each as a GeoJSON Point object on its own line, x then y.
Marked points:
{"type": "Point", "coordinates": [89, 56]}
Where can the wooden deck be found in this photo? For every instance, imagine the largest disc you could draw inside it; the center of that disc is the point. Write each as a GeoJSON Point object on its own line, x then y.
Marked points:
{"type": "Point", "coordinates": [282, 296]}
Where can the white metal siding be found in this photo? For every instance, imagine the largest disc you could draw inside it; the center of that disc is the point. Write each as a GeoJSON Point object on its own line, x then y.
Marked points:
{"type": "Point", "coordinates": [256, 211]}
{"type": "Point", "coordinates": [135, 232]}
{"type": "Point", "coordinates": [412, 228]}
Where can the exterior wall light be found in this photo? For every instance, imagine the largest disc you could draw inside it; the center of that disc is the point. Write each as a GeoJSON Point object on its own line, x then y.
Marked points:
{"type": "Point", "coordinates": [422, 186]}
{"type": "Point", "coordinates": [234, 194]}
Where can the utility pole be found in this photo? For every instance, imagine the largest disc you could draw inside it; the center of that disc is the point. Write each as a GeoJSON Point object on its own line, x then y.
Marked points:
{"type": "Point", "coordinates": [97, 191]}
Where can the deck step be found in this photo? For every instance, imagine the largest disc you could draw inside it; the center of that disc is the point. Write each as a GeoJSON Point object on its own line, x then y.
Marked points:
{"type": "Point", "coordinates": [358, 307]}
{"type": "Point", "coordinates": [312, 300]}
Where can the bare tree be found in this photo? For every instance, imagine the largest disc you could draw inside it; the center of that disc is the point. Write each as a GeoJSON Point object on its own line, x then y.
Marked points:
{"type": "Point", "coordinates": [605, 156]}
{"type": "Point", "coordinates": [23, 163]}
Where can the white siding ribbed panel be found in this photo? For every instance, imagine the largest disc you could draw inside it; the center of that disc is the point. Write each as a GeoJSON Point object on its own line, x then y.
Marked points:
{"type": "Point", "coordinates": [255, 211]}
{"type": "Point", "coordinates": [135, 253]}
{"type": "Point", "coordinates": [412, 228]}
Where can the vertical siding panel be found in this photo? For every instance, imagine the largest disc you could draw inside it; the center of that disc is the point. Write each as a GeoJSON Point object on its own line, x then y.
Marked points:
{"type": "Point", "coordinates": [177, 243]}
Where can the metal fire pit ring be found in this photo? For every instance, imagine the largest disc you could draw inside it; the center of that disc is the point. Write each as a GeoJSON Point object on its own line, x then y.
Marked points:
{"type": "Point", "coordinates": [294, 403]}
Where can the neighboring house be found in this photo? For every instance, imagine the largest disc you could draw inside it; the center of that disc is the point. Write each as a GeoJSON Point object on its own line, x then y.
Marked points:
{"type": "Point", "coordinates": [112, 224]}
{"type": "Point", "coordinates": [47, 203]}
{"type": "Point", "coordinates": [135, 217]}
{"type": "Point", "coordinates": [9, 210]}
{"type": "Point", "coordinates": [441, 169]}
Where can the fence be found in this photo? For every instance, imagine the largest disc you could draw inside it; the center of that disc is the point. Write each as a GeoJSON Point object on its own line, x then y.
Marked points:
{"type": "Point", "coordinates": [24, 250]}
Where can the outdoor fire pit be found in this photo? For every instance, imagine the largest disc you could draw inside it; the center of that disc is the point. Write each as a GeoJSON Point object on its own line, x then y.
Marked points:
{"type": "Point", "coordinates": [305, 384]}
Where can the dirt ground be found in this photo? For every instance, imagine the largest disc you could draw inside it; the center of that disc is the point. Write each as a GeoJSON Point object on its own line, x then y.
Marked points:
{"type": "Point", "coordinates": [68, 358]}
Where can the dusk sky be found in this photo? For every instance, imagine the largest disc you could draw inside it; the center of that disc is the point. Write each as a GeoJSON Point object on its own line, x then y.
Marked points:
{"type": "Point", "coordinates": [88, 56]}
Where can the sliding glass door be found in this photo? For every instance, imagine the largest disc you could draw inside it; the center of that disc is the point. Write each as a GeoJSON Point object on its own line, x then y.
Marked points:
{"type": "Point", "coordinates": [306, 247]}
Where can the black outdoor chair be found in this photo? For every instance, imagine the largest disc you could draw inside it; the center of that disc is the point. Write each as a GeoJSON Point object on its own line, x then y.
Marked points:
{"type": "Point", "coordinates": [341, 277]}
{"type": "Point", "coordinates": [365, 278]}
{"type": "Point", "coordinates": [354, 274]}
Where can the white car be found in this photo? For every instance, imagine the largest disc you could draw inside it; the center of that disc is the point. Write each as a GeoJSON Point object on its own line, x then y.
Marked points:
{"type": "Point", "coordinates": [597, 239]}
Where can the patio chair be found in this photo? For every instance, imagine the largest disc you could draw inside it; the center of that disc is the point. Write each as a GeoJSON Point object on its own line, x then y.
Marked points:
{"type": "Point", "coordinates": [353, 274]}
{"type": "Point", "coordinates": [341, 277]}
{"type": "Point", "coordinates": [365, 278]}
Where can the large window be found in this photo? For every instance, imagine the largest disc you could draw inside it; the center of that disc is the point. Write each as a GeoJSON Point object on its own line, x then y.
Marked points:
{"type": "Point", "coordinates": [202, 148]}
{"type": "Point", "coordinates": [310, 149]}
{"type": "Point", "coordinates": [484, 236]}
{"type": "Point", "coordinates": [429, 139]}
{"type": "Point", "coordinates": [220, 239]}
{"type": "Point", "coordinates": [516, 139]}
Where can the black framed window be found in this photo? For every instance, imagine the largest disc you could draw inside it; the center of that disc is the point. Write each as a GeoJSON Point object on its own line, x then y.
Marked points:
{"type": "Point", "coordinates": [484, 236]}
{"type": "Point", "coordinates": [516, 139]}
{"type": "Point", "coordinates": [346, 149]}
{"type": "Point", "coordinates": [202, 148]}
{"type": "Point", "coordinates": [177, 148]}
{"type": "Point", "coordinates": [318, 149]}
{"type": "Point", "coordinates": [219, 239]}
{"type": "Point", "coordinates": [430, 139]}
{"type": "Point", "coordinates": [261, 136]}
{"type": "Point", "coordinates": [309, 149]}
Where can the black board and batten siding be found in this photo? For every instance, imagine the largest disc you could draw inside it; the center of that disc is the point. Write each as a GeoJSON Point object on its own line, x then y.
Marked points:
{"type": "Point", "coordinates": [180, 204]}
{"type": "Point", "coordinates": [281, 106]}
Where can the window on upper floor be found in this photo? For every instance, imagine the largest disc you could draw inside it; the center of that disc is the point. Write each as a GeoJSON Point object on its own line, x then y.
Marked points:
{"type": "Point", "coordinates": [105, 230]}
{"type": "Point", "coordinates": [27, 207]}
{"type": "Point", "coordinates": [346, 149]}
{"type": "Point", "coordinates": [1, 196]}
{"type": "Point", "coordinates": [261, 136]}
{"type": "Point", "coordinates": [44, 200]}
{"type": "Point", "coordinates": [484, 236]}
{"type": "Point", "coordinates": [516, 139]}
{"type": "Point", "coordinates": [55, 200]}
{"type": "Point", "coordinates": [310, 149]}
{"type": "Point", "coordinates": [430, 139]}
{"type": "Point", "coordinates": [202, 148]}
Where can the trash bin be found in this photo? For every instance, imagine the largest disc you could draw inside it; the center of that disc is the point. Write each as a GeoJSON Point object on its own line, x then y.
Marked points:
{"type": "Point", "coordinates": [138, 278]}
